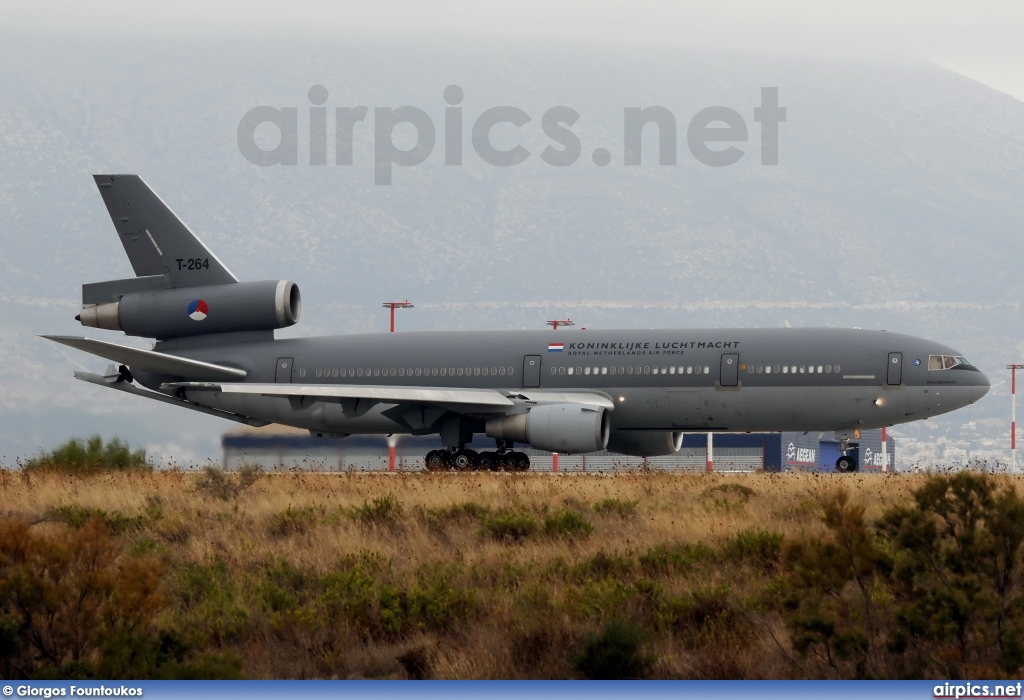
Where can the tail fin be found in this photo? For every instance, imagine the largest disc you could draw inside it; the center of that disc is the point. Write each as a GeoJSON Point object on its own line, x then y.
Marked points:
{"type": "Point", "coordinates": [158, 244]}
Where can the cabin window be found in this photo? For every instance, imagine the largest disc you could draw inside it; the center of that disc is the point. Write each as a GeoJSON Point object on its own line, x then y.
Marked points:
{"type": "Point", "coordinates": [785, 369]}
{"type": "Point", "coordinates": [612, 370]}
{"type": "Point", "coordinates": [802, 369]}
{"type": "Point", "coordinates": [501, 371]}
{"type": "Point", "coordinates": [561, 370]}
{"type": "Point", "coordinates": [604, 370]}
{"type": "Point", "coordinates": [318, 373]}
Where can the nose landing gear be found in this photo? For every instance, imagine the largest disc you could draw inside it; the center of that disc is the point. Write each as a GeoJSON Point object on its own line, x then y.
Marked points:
{"type": "Point", "coordinates": [846, 463]}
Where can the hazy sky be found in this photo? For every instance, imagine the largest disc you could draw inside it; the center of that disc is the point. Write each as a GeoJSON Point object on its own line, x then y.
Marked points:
{"type": "Point", "coordinates": [981, 39]}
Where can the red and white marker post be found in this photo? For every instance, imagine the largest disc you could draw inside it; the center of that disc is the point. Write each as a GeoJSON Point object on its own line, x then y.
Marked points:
{"type": "Point", "coordinates": [1013, 416]}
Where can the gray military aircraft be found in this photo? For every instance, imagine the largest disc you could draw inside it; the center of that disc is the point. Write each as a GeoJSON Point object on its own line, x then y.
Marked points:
{"type": "Point", "coordinates": [634, 392]}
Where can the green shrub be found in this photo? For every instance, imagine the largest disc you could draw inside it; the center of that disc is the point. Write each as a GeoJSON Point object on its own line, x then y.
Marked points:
{"type": "Point", "coordinates": [513, 526]}
{"type": "Point", "coordinates": [92, 455]}
{"type": "Point", "coordinates": [663, 559]}
{"type": "Point", "coordinates": [211, 601]}
{"type": "Point", "coordinates": [616, 506]}
{"type": "Point", "coordinates": [384, 510]}
{"type": "Point", "coordinates": [438, 518]}
{"type": "Point", "coordinates": [74, 515]}
{"type": "Point", "coordinates": [603, 565]}
{"type": "Point", "coordinates": [71, 605]}
{"type": "Point", "coordinates": [218, 483]}
{"type": "Point", "coordinates": [702, 615]}
{"type": "Point", "coordinates": [762, 547]}
{"type": "Point", "coordinates": [615, 653]}
{"type": "Point", "coordinates": [566, 523]}
{"type": "Point", "coordinates": [294, 521]}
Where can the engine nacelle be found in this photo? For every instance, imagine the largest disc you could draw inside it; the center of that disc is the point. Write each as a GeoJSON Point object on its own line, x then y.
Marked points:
{"type": "Point", "coordinates": [568, 428]}
{"type": "Point", "coordinates": [645, 443]}
{"type": "Point", "coordinates": [222, 308]}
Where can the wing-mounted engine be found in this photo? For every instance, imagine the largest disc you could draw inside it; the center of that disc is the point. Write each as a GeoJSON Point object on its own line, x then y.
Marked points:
{"type": "Point", "coordinates": [190, 311]}
{"type": "Point", "coordinates": [568, 428]}
{"type": "Point", "coordinates": [645, 443]}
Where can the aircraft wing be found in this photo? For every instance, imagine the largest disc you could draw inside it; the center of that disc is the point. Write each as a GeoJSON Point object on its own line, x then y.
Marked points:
{"type": "Point", "coordinates": [379, 394]}
{"type": "Point", "coordinates": [483, 399]}
{"type": "Point", "coordinates": [149, 361]}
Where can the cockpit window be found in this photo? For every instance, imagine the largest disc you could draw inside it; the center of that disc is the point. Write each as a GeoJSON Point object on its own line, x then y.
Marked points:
{"type": "Point", "coordinates": [947, 362]}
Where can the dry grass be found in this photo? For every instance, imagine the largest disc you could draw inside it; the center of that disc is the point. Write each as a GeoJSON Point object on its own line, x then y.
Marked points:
{"type": "Point", "coordinates": [527, 600]}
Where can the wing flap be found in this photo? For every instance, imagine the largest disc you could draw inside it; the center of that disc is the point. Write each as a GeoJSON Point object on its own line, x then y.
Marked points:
{"type": "Point", "coordinates": [383, 394]}
{"type": "Point", "coordinates": [150, 361]}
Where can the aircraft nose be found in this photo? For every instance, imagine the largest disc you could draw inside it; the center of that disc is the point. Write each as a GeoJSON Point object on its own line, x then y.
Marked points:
{"type": "Point", "coordinates": [981, 385]}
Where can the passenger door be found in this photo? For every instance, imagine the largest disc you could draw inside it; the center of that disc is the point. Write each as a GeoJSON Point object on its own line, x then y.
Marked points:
{"type": "Point", "coordinates": [894, 371]}
{"type": "Point", "coordinates": [531, 371]}
{"type": "Point", "coordinates": [730, 370]}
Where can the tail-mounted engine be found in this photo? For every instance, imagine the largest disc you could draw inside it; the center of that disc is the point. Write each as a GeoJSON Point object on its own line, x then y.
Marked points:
{"type": "Point", "coordinates": [188, 311]}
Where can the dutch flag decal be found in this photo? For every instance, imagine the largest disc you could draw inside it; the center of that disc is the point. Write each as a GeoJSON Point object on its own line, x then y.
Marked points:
{"type": "Point", "coordinates": [555, 347]}
{"type": "Point", "coordinates": [197, 310]}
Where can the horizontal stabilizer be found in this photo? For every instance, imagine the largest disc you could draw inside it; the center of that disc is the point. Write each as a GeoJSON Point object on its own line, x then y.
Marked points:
{"type": "Point", "coordinates": [158, 242]}
{"type": "Point", "coordinates": [383, 394]}
{"type": "Point", "coordinates": [149, 361]}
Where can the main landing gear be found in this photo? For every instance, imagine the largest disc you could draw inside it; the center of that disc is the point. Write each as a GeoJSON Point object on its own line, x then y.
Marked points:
{"type": "Point", "coordinates": [462, 459]}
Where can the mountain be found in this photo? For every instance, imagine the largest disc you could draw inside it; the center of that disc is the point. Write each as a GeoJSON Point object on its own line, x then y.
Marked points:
{"type": "Point", "coordinates": [895, 204]}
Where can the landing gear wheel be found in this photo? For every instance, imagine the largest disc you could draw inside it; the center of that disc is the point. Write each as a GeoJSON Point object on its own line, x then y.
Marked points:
{"type": "Point", "coordinates": [518, 461]}
{"type": "Point", "coordinates": [490, 461]}
{"type": "Point", "coordinates": [465, 460]}
{"type": "Point", "coordinates": [846, 465]}
{"type": "Point", "coordinates": [436, 460]}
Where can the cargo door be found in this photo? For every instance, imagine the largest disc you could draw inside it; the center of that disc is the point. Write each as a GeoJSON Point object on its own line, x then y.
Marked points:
{"type": "Point", "coordinates": [730, 370]}
{"type": "Point", "coordinates": [531, 371]}
{"type": "Point", "coordinates": [284, 370]}
{"type": "Point", "coordinates": [894, 374]}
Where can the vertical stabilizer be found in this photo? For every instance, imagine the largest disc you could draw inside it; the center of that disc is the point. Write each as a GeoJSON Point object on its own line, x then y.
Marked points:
{"type": "Point", "coordinates": [158, 244]}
